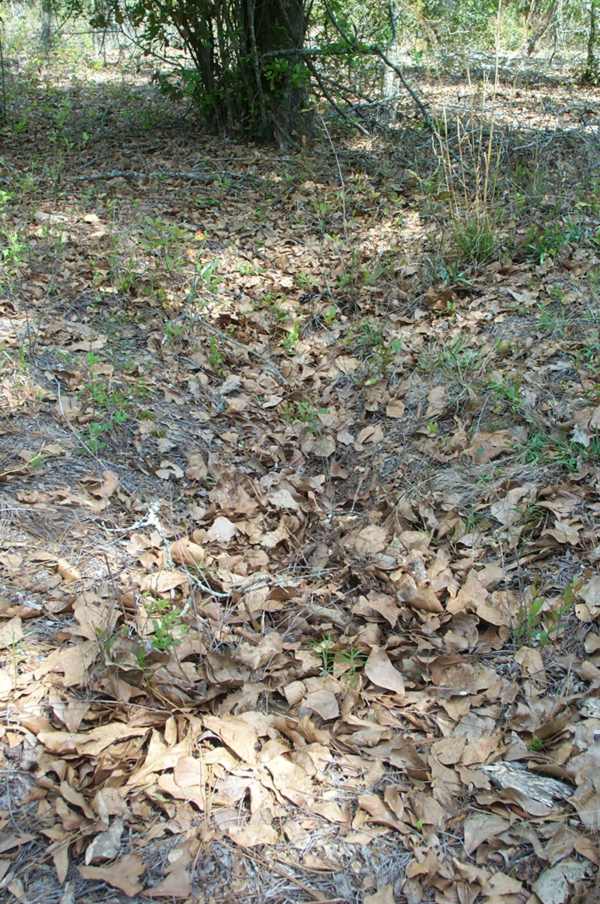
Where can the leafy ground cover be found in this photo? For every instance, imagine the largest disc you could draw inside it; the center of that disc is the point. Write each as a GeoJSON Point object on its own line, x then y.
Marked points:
{"type": "Point", "coordinates": [300, 490]}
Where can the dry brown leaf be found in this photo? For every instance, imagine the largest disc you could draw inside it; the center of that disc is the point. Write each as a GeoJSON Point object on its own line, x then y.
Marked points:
{"type": "Point", "coordinates": [197, 468]}
{"type": "Point", "coordinates": [123, 874]}
{"type": "Point", "coordinates": [254, 834]}
{"type": "Point", "coordinates": [89, 743]}
{"type": "Point", "coordinates": [381, 603]}
{"type": "Point", "coordinates": [163, 581]}
{"type": "Point", "coordinates": [8, 840]}
{"type": "Point", "coordinates": [383, 895]}
{"type": "Point", "coordinates": [67, 571]}
{"type": "Point", "coordinates": [480, 827]}
{"type": "Point", "coordinates": [11, 632]}
{"type": "Point", "coordinates": [178, 884]}
{"type": "Point", "coordinates": [7, 684]}
{"type": "Point", "coordinates": [395, 408]}
{"type": "Point", "coordinates": [509, 510]}
{"type": "Point", "coordinates": [555, 885]}
{"type": "Point", "coordinates": [74, 662]}
{"type": "Point", "coordinates": [186, 552]}
{"type": "Point", "coordinates": [369, 541]}
{"type": "Point", "coordinates": [106, 845]}
{"type": "Point", "coordinates": [236, 734]}
{"type": "Point", "coordinates": [62, 861]}
{"type": "Point", "coordinates": [437, 400]}
{"type": "Point", "coordinates": [381, 672]}
{"type": "Point", "coordinates": [291, 780]}
{"type": "Point", "coordinates": [283, 499]}
{"type": "Point", "coordinates": [590, 592]}
{"type": "Point", "coordinates": [222, 531]}
{"type": "Point", "coordinates": [323, 702]}
{"type": "Point", "coordinates": [487, 446]}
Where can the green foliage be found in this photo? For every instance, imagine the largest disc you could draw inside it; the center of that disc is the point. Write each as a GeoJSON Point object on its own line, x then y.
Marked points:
{"type": "Point", "coordinates": [368, 342]}
{"type": "Point", "coordinates": [239, 80]}
{"type": "Point", "coordinates": [457, 357]}
{"type": "Point", "coordinates": [541, 448]}
{"type": "Point", "coordinates": [168, 628]}
{"type": "Point", "coordinates": [474, 18]}
{"type": "Point", "coordinates": [350, 659]}
{"type": "Point", "coordinates": [545, 242]}
{"type": "Point", "coordinates": [510, 391]}
{"type": "Point", "coordinates": [291, 338]}
{"type": "Point", "coordinates": [215, 355]}
{"type": "Point", "coordinates": [13, 250]}
{"type": "Point", "coordinates": [304, 413]}
{"type": "Point", "coordinates": [537, 627]}
{"type": "Point", "coordinates": [109, 405]}
{"type": "Point", "coordinates": [474, 241]}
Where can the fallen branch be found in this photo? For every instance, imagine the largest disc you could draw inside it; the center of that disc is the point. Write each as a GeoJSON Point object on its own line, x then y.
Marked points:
{"type": "Point", "coordinates": [413, 94]}
{"type": "Point", "coordinates": [328, 97]}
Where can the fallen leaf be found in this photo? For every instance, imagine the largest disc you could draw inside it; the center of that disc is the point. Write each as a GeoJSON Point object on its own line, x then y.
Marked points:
{"type": "Point", "coordinates": [554, 885]}
{"type": "Point", "coordinates": [480, 827]}
{"type": "Point", "coordinates": [122, 874]}
{"type": "Point", "coordinates": [383, 895]}
{"type": "Point", "coordinates": [11, 632]}
{"type": "Point", "coordinates": [381, 672]}
{"type": "Point", "coordinates": [222, 531]}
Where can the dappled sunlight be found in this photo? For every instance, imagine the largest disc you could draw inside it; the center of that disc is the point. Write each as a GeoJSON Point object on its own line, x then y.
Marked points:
{"type": "Point", "coordinates": [299, 490]}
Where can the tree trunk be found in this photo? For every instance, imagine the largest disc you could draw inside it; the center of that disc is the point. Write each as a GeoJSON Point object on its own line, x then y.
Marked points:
{"type": "Point", "coordinates": [46, 30]}
{"type": "Point", "coordinates": [3, 100]}
{"type": "Point", "coordinates": [591, 73]}
{"type": "Point", "coordinates": [277, 38]}
{"type": "Point", "coordinates": [542, 28]}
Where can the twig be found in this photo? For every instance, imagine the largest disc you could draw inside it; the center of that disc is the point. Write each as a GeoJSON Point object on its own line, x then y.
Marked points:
{"type": "Point", "coordinates": [415, 97]}
{"type": "Point", "coordinates": [274, 867]}
{"type": "Point", "coordinates": [328, 97]}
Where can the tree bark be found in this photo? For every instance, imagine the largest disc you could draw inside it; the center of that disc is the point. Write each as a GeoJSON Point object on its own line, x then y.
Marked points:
{"type": "Point", "coordinates": [542, 28]}
{"type": "Point", "coordinates": [279, 28]}
{"type": "Point", "coordinates": [46, 31]}
{"type": "Point", "coordinates": [592, 69]}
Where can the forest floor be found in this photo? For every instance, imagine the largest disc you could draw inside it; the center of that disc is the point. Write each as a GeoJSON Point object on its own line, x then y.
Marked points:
{"type": "Point", "coordinates": [300, 497]}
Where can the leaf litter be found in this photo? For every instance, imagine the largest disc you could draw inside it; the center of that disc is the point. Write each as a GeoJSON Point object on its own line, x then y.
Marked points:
{"type": "Point", "coordinates": [299, 591]}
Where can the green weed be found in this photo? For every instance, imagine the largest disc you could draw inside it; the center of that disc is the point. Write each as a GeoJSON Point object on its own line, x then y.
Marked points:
{"type": "Point", "coordinates": [351, 658]}
{"type": "Point", "coordinates": [291, 339]}
{"type": "Point", "coordinates": [541, 448]}
{"type": "Point", "coordinates": [457, 358]}
{"type": "Point", "coordinates": [552, 321]}
{"type": "Point", "coordinates": [535, 627]}
{"type": "Point", "coordinates": [94, 433]}
{"type": "Point", "coordinates": [168, 629]}
{"type": "Point", "coordinates": [305, 281]}
{"type": "Point", "coordinates": [172, 330]}
{"type": "Point", "coordinates": [205, 283]}
{"type": "Point", "coordinates": [543, 242]}
{"type": "Point", "coordinates": [509, 391]}
{"type": "Point", "coordinates": [215, 355]}
{"type": "Point", "coordinates": [529, 628]}
{"type": "Point", "coordinates": [13, 250]}
{"type": "Point", "coordinates": [474, 241]}
{"type": "Point", "coordinates": [112, 405]}
{"type": "Point", "coordinates": [368, 342]}
{"type": "Point", "coordinates": [164, 241]}
{"type": "Point", "coordinates": [304, 413]}
{"type": "Point", "coordinates": [330, 315]}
